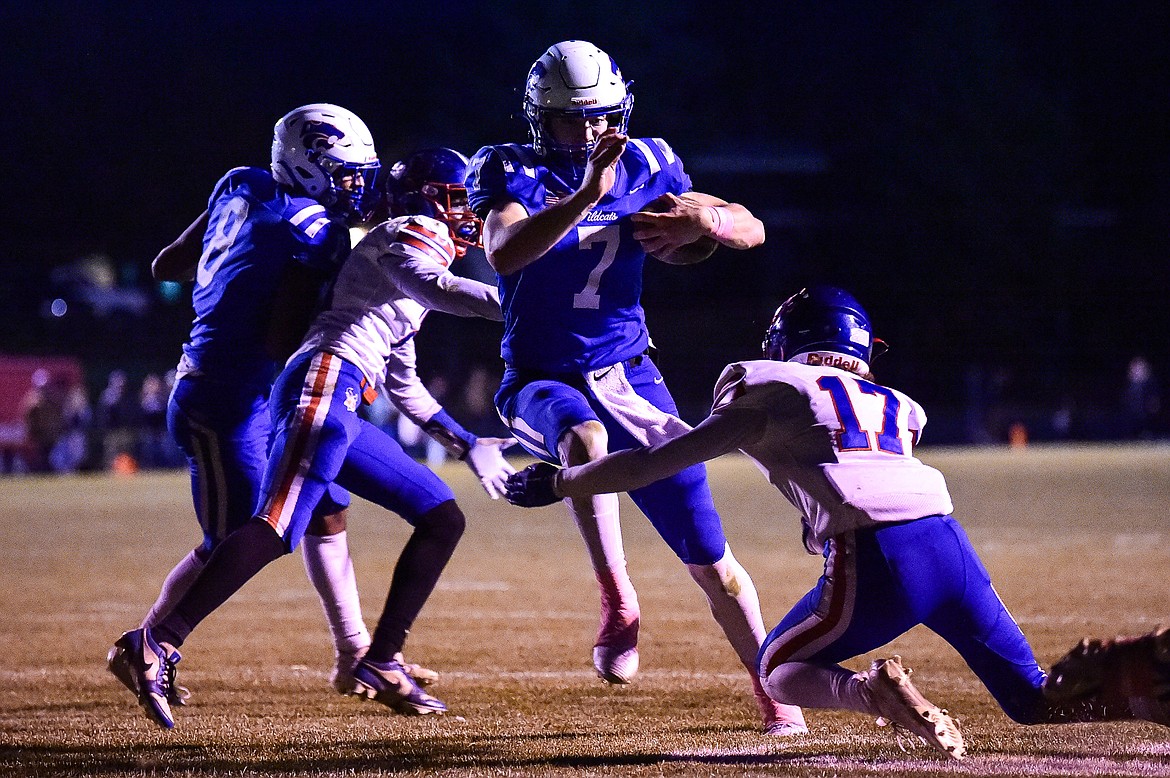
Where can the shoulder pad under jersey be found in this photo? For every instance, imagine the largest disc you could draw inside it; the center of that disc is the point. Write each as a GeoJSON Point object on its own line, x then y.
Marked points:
{"type": "Point", "coordinates": [252, 182]}
{"type": "Point", "coordinates": [647, 157]}
{"type": "Point", "coordinates": [422, 237]}
{"type": "Point", "coordinates": [501, 173]}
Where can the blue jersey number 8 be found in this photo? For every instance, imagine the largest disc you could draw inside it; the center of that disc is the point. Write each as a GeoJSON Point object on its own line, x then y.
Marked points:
{"type": "Point", "coordinates": [223, 234]}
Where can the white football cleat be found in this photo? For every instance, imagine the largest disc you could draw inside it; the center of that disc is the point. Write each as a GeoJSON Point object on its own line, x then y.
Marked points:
{"type": "Point", "coordinates": [887, 687]}
{"type": "Point", "coordinates": [614, 665]}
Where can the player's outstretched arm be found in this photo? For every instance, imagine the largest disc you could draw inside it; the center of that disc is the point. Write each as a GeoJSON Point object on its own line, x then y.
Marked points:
{"type": "Point", "coordinates": [637, 467]}
{"type": "Point", "coordinates": [177, 261]}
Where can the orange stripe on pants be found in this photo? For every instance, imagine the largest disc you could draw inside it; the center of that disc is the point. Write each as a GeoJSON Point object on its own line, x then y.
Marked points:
{"type": "Point", "coordinates": [294, 454]}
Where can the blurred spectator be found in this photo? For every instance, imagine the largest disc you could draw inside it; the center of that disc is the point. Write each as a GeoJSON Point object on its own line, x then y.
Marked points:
{"type": "Point", "coordinates": [1062, 418]}
{"type": "Point", "coordinates": [117, 417]}
{"type": "Point", "coordinates": [1141, 400]}
{"type": "Point", "coordinates": [44, 419]}
{"type": "Point", "coordinates": [153, 438]}
{"type": "Point", "coordinates": [474, 403]}
{"type": "Point", "coordinates": [72, 450]}
{"type": "Point", "coordinates": [986, 415]}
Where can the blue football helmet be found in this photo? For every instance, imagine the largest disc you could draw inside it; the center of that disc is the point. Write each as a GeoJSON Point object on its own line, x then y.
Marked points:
{"type": "Point", "coordinates": [316, 148]}
{"type": "Point", "coordinates": [573, 79]}
{"type": "Point", "coordinates": [822, 319]}
{"type": "Point", "coordinates": [430, 183]}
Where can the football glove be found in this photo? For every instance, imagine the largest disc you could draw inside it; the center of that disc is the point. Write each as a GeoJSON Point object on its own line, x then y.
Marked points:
{"type": "Point", "coordinates": [1126, 673]}
{"type": "Point", "coordinates": [488, 464]}
{"type": "Point", "coordinates": [532, 487]}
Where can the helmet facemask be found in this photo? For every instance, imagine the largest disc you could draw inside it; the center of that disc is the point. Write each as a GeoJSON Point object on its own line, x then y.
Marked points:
{"type": "Point", "coordinates": [448, 204]}
{"type": "Point", "coordinates": [572, 157]}
{"type": "Point", "coordinates": [353, 192]}
{"type": "Point", "coordinates": [430, 183]}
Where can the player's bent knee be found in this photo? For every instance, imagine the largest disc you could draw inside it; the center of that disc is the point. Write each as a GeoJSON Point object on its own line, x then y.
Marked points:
{"type": "Point", "coordinates": [583, 443]}
{"type": "Point", "coordinates": [730, 578]}
{"type": "Point", "coordinates": [780, 686]}
{"type": "Point", "coordinates": [444, 522]}
{"type": "Point", "coordinates": [328, 523]}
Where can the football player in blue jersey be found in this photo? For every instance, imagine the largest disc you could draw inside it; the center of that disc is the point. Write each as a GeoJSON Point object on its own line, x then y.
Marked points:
{"type": "Point", "coordinates": [361, 342]}
{"type": "Point", "coordinates": [569, 219]}
{"type": "Point", "coordinates": [262, 256]}
{"type": "Point", "coordinates": [840, 448]}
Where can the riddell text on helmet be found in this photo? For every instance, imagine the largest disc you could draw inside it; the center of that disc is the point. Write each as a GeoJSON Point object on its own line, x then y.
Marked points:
{"type": "Point", "coordinates": [834, 360]}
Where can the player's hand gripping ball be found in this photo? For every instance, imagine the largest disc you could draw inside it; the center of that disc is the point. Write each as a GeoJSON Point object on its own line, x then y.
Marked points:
{"type": "Point", "coordinates": [674, 234]}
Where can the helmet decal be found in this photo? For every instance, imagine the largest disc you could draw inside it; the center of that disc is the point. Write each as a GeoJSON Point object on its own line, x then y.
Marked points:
{"type": "Point", "coordinates": [327, 153]}
{"type": "Point", "coordinates": [319, 136]}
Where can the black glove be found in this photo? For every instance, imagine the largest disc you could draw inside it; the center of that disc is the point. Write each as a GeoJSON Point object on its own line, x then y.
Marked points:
{"type": "Point", "coordinates": [532, 487]}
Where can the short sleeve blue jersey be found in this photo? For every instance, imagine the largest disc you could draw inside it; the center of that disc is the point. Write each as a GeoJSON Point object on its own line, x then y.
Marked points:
{"type": "Point", "coordinates": [579, 306]}
{"type": "Point", "coordinates": [255, 232]}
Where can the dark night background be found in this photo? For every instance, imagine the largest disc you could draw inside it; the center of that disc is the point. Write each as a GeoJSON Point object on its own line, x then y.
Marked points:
{"type": "Point", "coordinates": [990, 178]}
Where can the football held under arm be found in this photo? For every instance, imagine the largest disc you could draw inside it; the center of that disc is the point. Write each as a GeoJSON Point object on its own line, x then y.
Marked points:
{"type": "Point", "coordinates": [684, 229]}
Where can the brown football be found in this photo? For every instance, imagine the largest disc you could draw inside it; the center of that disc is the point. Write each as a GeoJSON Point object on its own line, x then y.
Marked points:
{"type": "Point", "coordinates": [690, 254]}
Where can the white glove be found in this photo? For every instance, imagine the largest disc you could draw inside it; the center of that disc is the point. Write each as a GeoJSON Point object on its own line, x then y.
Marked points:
{"type": "Point", "coordinates": [486, 461]}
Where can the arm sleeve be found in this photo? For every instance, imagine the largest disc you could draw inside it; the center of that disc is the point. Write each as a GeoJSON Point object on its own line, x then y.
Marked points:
{"type": "Point", "coordinates": [427, 282]}
{"type": "Point", "coordinates": [405, 389]}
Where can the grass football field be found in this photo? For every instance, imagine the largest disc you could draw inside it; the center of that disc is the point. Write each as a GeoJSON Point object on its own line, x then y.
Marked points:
{"type": "Point", "coordinates": [1077, 540]}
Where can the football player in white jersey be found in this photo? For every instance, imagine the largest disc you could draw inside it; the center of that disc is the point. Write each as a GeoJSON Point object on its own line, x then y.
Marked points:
{"type": "Point", "coordinates": [569, 220]}
{"type": "Point", "coordinates": [839, 447]}
{"type": "Point", "coordinates": [363, 340]}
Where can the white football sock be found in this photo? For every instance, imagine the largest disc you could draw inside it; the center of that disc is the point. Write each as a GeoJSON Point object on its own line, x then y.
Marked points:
{"type": "Point", "coordinates": [734, 604]}
{"type": "Point", "coordinates": [598, 521]}
{"type": "Point", "coordinates": [330, 570]}
{"type": "Point", "coordinates": [177, 583]}
{"type": "Point", "coordinates": [817, 686]}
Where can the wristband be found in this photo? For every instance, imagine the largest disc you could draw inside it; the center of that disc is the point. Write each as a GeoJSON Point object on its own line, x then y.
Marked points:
{"type": "Point", "coordinates": [724, 222]}
{"type": "Point", "coordinates": [447, 431]}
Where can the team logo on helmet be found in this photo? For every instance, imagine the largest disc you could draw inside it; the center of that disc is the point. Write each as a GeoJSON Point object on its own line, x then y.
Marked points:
{"type": "Point", "coordinates": [320, 136]}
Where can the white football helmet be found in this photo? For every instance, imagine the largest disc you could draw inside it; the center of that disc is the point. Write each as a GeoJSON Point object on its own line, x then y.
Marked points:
{"type": "Point", "coordinates": [577, 79]}
{"type": "Point", "coordinates": [315, 145]}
